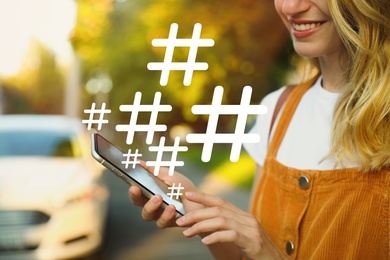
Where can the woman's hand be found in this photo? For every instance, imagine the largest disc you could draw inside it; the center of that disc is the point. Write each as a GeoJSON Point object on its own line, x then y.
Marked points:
{"type": "Point", "coordinates": [152, 210]}
{"type": "Point", "coordinates": [222, 222]}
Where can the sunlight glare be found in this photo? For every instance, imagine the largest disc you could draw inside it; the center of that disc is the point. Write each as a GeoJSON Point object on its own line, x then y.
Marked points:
{"type": "Point", "coordinates": [48, 21]}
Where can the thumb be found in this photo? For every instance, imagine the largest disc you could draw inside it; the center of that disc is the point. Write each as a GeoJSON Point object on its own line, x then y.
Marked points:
{"type": "Point", "coordinates": [148, 168]}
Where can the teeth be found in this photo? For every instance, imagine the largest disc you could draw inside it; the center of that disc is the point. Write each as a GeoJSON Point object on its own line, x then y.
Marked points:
{"type": "Point", "coordinates": [305, 27]}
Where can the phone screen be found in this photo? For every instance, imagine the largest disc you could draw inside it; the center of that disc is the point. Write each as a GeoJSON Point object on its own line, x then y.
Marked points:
{"type": "Point", "coordinates": [140, 175]}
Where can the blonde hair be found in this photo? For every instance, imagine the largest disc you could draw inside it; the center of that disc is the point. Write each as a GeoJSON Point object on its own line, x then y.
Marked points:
{"type": "Point", "coordinates": [361, 124]}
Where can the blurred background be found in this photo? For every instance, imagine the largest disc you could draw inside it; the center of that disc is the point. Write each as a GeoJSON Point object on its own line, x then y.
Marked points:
{"type": "Point", "coordinates": [57, 57]}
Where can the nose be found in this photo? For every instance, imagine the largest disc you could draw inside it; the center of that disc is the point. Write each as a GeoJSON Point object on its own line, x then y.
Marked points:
{"type": "Point", "coordinates": [293, 7]}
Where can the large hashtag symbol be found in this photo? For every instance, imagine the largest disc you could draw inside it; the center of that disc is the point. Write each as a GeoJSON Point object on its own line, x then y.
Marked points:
{"type": "Point", "coordinates": [150, 128]}
{"type": "Point", "coordinates": [160, 149]}
{"type": "Point", "coordinates": [170, 45]}
{"type": "Point", "coordinates": [92, 113]}
{"type": "Point", "coordinates": [175, 190]}
{"type": "Point", "coordinates": [239, 136]}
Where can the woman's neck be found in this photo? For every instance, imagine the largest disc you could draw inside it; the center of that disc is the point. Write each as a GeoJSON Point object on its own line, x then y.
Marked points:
{"type": "Point", "coordinates": [332, 72]}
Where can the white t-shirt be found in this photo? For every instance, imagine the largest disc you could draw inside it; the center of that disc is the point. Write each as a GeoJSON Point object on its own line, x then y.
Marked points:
{"type": "Point", "coordinates": [307, 140]}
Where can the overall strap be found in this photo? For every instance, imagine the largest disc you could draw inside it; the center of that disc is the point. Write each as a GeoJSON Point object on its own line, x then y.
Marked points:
{"type": "Point", "coordinates": [282, 98]}
{"type": "Point", "coordinates": [292, 102]}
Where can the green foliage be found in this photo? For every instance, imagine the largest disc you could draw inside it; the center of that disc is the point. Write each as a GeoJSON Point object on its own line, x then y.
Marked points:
{"type": "Point", "coordinates": [13, 101]}
{"type": "Point", "coordinates": [40, 81]}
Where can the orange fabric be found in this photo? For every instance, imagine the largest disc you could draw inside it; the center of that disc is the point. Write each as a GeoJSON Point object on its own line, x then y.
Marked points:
{"type": "Point", "coordinates": [343, 214]}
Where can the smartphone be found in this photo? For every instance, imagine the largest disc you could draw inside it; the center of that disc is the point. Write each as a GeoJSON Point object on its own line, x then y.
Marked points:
{"type": "Point", "coordinates": [111, 157]}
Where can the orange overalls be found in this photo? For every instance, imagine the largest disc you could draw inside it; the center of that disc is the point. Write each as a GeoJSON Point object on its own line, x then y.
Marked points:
{"type": "Point", "coordinates": [322, 214]}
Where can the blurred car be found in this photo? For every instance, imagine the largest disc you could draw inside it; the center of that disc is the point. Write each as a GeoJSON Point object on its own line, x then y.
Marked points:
{"type": "Point", "coordinates": [53, 203]}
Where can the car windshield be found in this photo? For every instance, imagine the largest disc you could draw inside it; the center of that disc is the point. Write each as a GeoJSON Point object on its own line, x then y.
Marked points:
{"type": "Point", "coordinates": [36, 143]}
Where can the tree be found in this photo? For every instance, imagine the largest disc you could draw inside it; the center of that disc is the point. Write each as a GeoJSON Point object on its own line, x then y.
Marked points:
{"type": "Point", "coordinates": [40, 80]}
{"type": "Point", "coordinates": [251, 48]}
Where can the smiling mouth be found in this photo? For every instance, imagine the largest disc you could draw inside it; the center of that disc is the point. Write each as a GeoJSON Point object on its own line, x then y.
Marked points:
{"type": "Point", "coordinates": [305, 26]}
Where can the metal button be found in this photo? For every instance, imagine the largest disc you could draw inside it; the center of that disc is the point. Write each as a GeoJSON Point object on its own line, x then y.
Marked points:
{"type": "Point", "coordinates": [290, 247]}
{"type": "Point", "coordinates": [303, 182]}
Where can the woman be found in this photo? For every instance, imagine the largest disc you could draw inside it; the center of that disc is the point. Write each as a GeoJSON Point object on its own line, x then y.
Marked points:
{"type": "Point", "coordinates": [322, 187]}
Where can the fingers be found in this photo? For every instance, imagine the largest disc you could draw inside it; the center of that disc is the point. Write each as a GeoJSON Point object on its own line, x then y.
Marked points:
{"type": "Point", "coordinates": [151, 209]}
{"type": "Point", "coordinates": [225, 236]}
{"type": "Point", "coordinates": [224, 209]}
{"type": "Point", "coordinates": [202, 214]}
{"type": "Point", "coordinates": [167, 218]}
{"type": "Point", "coordinates": [224, 221]}
{"type": "Point", "coordinates": [243, 231]}
{"type": "Point", "coordinates": [148, 168]}
{"type": "Point", "coordinates": [211, 225]}
{"type": "Point", "coordinates": [210, 200]}
{"type": "Point", "coordinates": [215, 219]}
{"type": "Point", "coordinates": [136, 196]}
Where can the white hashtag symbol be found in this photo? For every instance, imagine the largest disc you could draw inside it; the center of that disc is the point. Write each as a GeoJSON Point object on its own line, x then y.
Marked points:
{"type": "Point", "coordinates": [131, 158]}
{"type": "Point", "coordinates": [160, 150]}
{"type": "Point", "coordinates": [214, 111]}
{"type": "Point", "coordinates": [150, 128]}
{"type": "Point", "coordinates": [191, 63]}
{"type": "Point", "coordinates": [92, 113]}
{"type": "Point", "coordinates": [173, 188]}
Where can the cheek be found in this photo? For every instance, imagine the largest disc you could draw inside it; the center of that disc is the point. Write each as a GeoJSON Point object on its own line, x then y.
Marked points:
{"type": "Point", "coordinates": [324, 6]}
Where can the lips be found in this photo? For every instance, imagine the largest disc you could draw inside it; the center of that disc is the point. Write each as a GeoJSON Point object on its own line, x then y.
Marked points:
{"type": "Point", "coordinates": [304, 28]}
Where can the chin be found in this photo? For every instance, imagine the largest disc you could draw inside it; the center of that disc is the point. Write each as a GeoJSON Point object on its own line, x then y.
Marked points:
{"type": "Point", "coordinates": [307, 51]}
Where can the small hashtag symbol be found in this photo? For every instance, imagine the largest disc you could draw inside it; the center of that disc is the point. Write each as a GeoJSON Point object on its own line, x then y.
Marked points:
{"type": "Point", "coordinates": [191, 63]}
{"type": "Point", "coordinates": [214, 111]}
{"type": "Point", "coordinates": [131, 158]}
{"type": "Point", "coordinates": [92, 113]}
{"type": "Point", "coordinates": [173, 188]}
{"type": "Point", "coordinates": [150, 128]}
{"type": "Point", "coordinates": [160, 150]}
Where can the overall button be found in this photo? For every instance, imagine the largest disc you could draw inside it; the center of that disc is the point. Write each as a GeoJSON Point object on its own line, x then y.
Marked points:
{"type": "Point", "coordinates": [290, 247]}
{"type": "Point", "coordinates": [303, 182]}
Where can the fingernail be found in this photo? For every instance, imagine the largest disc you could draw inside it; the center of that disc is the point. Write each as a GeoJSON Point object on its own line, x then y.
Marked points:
{"type": "Point", "coordinates": [187, 231]}
{"type": "Point", "coordinates": [180, 220]}
{"type": "Point", "coordinates": [190, 194]}
{"type": "Point", "coordinates": [170, 210]}
{"type": "Point", "coordinates": [205, 240]}
{"type": "Point", "coordinates": [156, 200]}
